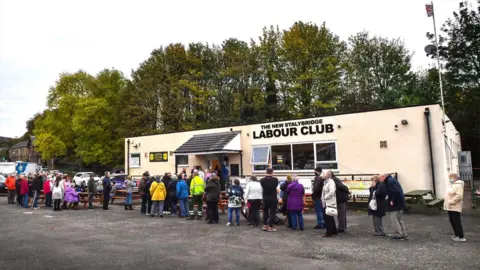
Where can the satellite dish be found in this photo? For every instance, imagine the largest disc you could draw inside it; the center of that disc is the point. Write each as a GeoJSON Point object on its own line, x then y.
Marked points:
{"type": "Point", "coordinates": [430, 49]}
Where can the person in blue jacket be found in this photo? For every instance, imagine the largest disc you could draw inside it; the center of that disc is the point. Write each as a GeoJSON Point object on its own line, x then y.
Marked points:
{"type": "Point", "coordinates": [182, 195]}
{"type": "Point", "coordinates": [107, 187]}
{"type": "Point", "coordinates": [395, 205]}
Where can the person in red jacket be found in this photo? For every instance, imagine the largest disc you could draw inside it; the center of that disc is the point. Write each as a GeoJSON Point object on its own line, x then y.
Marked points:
{"type": "Point", "coordinates": [24, 190]}
{"type": "Point", "coordinates": [12, 190]}
{"type": "Point", "coordinates": [47, 190]}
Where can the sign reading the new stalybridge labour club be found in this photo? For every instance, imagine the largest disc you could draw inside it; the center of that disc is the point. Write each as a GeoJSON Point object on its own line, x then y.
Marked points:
{"type": "Point", "coordinates": [293, 129]}
{"type": "Point", "coordinates": [158, 157]}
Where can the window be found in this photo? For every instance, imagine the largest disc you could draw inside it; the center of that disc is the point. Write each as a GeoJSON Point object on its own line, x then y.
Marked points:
{"type": "Point", "coordinates": [182, 160]}
{"type": "Point", "coordinates": [282, 157]}
{"type": "Point", "coordinates": [303, 157]}
{"type": "Point", "coordinates": [326, 156]}
{"type": "Point", "coordinates": [135, 160]}
{"type": "Point", "coordinates": [260, 155]}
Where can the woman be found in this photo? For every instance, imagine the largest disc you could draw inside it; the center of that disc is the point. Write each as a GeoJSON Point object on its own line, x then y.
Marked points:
{"type": "Point", "coordinates": [377, 194]}
{"type": "Point", "coordinates": [47, 190]}
{"type": "Point", "coordinates": [284, 196]}
{"type": "Point", "coordinates": [454, 204]}
{"type": "Point", "coordinates": [295, 193]}
{"type": "Point", "coordinates": [66, 184]}
{"type": "Point", "coordinates": [329, 201]}
{"type": "Point", "coordinates": [235, 197]}
{"type": "Point", "coordinates": [71, 197]}
{"type": "Point", "coordinates": [129, 195]}
{"type": "Point", "coordinates": [158, 192]}
{"type": "Point", "coordinates": [253, 195]}
{"type": "Point", "coordinates": [57, 193]}
{"type": "Point", "coordinates": [212, 194]}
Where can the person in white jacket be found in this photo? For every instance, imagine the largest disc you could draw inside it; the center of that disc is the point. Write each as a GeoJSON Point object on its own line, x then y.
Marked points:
{"type": "Point", "coordinates": [57, 193]}
{"type": "Point", "coordinates": [329, 200]}
{"type": "Point", "coordinates": [454, 204]}
{"type": "Point", "coordinates": [253, 195]}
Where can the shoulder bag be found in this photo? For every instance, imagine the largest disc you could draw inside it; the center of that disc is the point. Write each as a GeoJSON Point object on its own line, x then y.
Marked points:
{"type": "Point", "coordinates": [373, 202]}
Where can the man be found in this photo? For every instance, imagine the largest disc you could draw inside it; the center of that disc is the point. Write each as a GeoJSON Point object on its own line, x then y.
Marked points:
{"type": "Point", "coordinates": [18, 187]}
{"type": "Point", "coordinates": [107, 187]}
{"type": "Point", "coordinates": [172, 195]}
{"type": "Point", "coordinates": [197, 188]}
{"type": "Point", "coordinates": [144, 189]}
{"type": "Point", "coordinates": [12, 190]}
{"type": "Point", "coordinates": [167, 178]}
{"type": "Point", "coordinates": [342, 194]}
{"type": "Point", "coordinates": [37, 186]}
{"type": "Point", "coordinates": [317, 198]}
{"type": "Point", "coordinates": [92, 190]}
{"type": "Point", "coordinates": [269, 185]}
{"type": "Point", "coordinates": [395, 205]}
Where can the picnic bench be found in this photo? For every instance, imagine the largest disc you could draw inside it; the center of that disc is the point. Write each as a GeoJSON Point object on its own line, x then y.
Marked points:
{"type": "Point", "coordinates": [421, 199]}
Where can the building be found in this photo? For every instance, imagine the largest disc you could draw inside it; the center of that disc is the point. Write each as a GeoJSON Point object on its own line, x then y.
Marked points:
{"type": "Point", "coordinates": [24, 151]}
{"type": "Point", "coordinates": [409, 141]}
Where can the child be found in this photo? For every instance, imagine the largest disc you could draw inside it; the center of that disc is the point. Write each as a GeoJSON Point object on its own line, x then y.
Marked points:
{"type": "Point", "coordinates": [235, 202]}
{"type": "Point", "coordinates": [158, 194]}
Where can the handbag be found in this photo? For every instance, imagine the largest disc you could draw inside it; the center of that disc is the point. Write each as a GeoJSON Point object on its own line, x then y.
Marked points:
{"type": "Point", "coordinates": [373, 202]}
{"type": "Point", "coordinates": [331, 210]}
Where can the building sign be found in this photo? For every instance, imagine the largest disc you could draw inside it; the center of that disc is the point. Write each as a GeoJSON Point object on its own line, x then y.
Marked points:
{"type": "Point", "coordinates": [293, 128]}
{"type": "Point", "coordinates": [358, 187]}
{"type": "Point", "coordinates": [158, 156]}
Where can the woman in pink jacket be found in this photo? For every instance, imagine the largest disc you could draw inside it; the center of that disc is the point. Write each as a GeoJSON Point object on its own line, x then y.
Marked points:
{"type": "Point", "coordinates": [454, 204]}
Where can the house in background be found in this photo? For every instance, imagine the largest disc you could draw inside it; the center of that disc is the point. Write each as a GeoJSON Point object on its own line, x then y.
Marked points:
{"type": "Point", "coordinates": [24, 151]}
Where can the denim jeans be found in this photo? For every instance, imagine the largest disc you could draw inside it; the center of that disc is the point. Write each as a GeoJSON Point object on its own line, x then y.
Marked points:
{"type": "Point", "coordinates": [48, 199]}
{"type": "Point", "coordinates": [183, 207]}
{"type": "Point", "coordinates": [157, 207]}
{"type": "Point", "coordinates": [296, 217]}
{"type": "Point", "coordinates": [128, 198]}
{"type": "Point", "coordinates": [35, 200]}
{"type": "Point", "coordinates": [319, 211]}
{"type": "Point", "coordinates": [173, 204]}
{"type": "Point", "coordinates": [237, 214]}
{"type": "Point", "coordinates": [25, 201]}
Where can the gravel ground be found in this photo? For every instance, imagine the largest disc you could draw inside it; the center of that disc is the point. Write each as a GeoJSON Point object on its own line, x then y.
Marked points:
{"type": "Point", "coordinates": [118, 239]}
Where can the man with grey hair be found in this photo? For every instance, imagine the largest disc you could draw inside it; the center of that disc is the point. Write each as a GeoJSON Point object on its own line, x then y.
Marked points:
{"type": "Point", "coordinates": [395, 205]}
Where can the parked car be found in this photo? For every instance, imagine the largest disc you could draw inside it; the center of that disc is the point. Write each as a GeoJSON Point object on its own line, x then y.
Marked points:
{"type": "Point", "coordinates": [83, 176]}
{"type": "Point", "coordinates": [3, 189]}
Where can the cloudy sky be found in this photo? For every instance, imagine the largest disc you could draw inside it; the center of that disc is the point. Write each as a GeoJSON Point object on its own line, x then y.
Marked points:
{"type": "Point", "coordinates": [40, 39]}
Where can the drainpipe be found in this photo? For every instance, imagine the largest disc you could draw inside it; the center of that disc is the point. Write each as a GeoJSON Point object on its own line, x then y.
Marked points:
{"type": "Point", "coordinates": [128, 156]}
{"type": "Point", "coordinates": [241, 164]}
{"type": "Point", "coordinates": [427, 118]}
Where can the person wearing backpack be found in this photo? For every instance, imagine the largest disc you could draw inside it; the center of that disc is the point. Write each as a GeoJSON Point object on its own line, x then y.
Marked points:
{"type": "Point", "coordinates": [343, 194]}
{"type": "Point", "coordinates": [377, 205]}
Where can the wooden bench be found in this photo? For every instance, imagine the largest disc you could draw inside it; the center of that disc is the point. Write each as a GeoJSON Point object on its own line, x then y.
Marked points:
{"type": "Point", "coordinates": [435, 203]}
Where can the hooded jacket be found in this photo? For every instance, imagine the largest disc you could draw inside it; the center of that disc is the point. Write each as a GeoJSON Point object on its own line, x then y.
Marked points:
{"type": "Point", "coordinates": [158, 191]}
{"type": "Point", "coordinates": [197, 186]}
{"type": "Point", "coordinates": [454, 197]}
{"type": "Point", "coordinates": [10, 183]}
{"type": "Point", "coordinates": [235, 196]}
{"type": "Point", "coordinates": [212, 190]}
{"type": "Point", "coordinates": [329, 193]}
{"type": "Point", "coordinates": [172, 188]}
{"type": "Point", "coordinates": [166, 182]}
{"type": "Point", "coordinates": [182, 189]}
{"type": "Point", "coordinates": [343, 193]}
{"type": "Point", "coordinates": [47, 187]}
{"type": "Point", "coordinates": [317, 187]}
{"type": "Point", "coordinates": [295, 193]}
{"type": "Point", "coordinates": [23, 187]}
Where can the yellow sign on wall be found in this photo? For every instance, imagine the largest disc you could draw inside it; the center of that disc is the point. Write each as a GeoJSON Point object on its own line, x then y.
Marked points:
{"type": "Point", "coordinates": [158, 157]}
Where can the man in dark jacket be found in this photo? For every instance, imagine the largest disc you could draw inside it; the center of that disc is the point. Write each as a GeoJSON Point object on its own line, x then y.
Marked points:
{"type": "Point", "coordinates": [37, 185]}
{"type": "Point", "coordinates": [18, 187]}
{"type": "Point", "coordinates": [143, 194]}
{"type": "Point", "coordinates": [212, 193]}
{"type": "Point", "coordinates": [395, 205]}
{"type": "Point", "coordinates": [317, 197]}
{"type": "Point", "coordinates": [167, 178]}
{"type": "Point", "coordinates": [172, 194]}
{"type": "Point", "coordinates": [269, 185]}
{"type": "Point", "coordinates": [92, 190]}
{"type": "Point", "coordinates": [343, 194]}
{"type": "Point", "coordinates": [107, 187]}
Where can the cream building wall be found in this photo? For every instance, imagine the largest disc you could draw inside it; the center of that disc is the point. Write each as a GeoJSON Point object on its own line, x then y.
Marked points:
{"type": "Point", "coordinates": [357, 137]}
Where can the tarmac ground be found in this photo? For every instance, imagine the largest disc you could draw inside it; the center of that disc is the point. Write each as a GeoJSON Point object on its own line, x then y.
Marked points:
{"type": "Point", "coordinates": [119, 239]}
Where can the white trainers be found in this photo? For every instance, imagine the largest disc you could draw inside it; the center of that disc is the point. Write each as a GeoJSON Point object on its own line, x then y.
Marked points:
{"type": "Point", "coordinates": [458, 239]}
{"type": "Point", "coordinates": [229, 224]}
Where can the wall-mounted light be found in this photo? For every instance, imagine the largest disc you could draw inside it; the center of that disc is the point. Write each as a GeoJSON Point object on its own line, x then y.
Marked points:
{"type": "Point", "coordinates": [339, 126]}
{"type": "Point", "coordinates": [231, 129]}
{"type": "Point", "coordinates": [404, 122]}
{"type": "Point", "coordinates": [248, 134]}
{"type": "Point", "coordinates": [396, 127]}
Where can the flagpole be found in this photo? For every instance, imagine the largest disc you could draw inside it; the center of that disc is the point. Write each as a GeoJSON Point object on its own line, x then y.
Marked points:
{"type": "Point", "coordinates": [439, 68]}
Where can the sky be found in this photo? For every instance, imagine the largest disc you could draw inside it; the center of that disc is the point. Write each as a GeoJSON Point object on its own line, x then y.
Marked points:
{"type": "Point", "coordinates": [41, 39]}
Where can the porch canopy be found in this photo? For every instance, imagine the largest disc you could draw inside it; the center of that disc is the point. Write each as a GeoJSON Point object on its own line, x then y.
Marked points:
{"type": "Point", "coordinates": [211, 143]}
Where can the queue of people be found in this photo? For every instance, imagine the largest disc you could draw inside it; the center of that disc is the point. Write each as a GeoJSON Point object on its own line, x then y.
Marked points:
{"type": "Point", "coordinates": [161, 195]}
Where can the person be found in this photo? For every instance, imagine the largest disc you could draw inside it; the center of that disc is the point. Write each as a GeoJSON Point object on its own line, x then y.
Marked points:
{"type": "Point", "coordinates": [295, 193]}
{"type": "Point", "coordinates": [207, 174]}
{"type": "Point", "coordinates": [24, 190]}
{"type": "Point", "coordinates": [212, 193]}
{"type": "Point", "coordinates": [12, 190]}
{"type": "Point", "coordinates": [453, 204]}
{"type": "Point", "coordinates": [172, 195]}
{"type": "Point", "coordinates": [30, 189]}
{"type": "Point", "coordinates": [47, 191]}
{"type": "Point", "coordinates": [18, 187]}
{"type": "Point", "coordinates": [182, 196]}
{"type": "Point", "coordinates": [106, 190]}
{"type": "Point", "coordinates": [284, 196]}
{"type": "Point", "coordinates": [144, 189]}
{"type": "Point", "coordinates": [329, 200]}
{"type": "Point", "coordinates": [378, 193]}
{"type": "Point", "coordinates": [71, 197]}
{"type": "Point", "coordinates": [342, 194]}
{"type": "Point", "coordinates": [92, 190]}
{"type": "Point", "coordinates": [57, 193]}
{"type": "Point", "coordinates": [113, 190]}
{"type": "Point", "coordinates": [253, 196]}
{"type": "Point", "coordinates": [66, 184]}
{"type": "Point", "coordinates": [129, 194]}
{"type": "Point", "coordinates": [167, 178]}
{"type": "Point", "coordinates": [269, 194]}
{"type": "Point", "coordinates": [158, 193]}
{"type": "Point", "coordinates": [235, 198]}
{"type": "Point", "coordinates": [197, 188]}
{"type": "Point", "coordinates": [395, 205]}
{"type": "Point", "coordinates": [317, 198]}
{"type": "Point", "coordinates": [37, 186]}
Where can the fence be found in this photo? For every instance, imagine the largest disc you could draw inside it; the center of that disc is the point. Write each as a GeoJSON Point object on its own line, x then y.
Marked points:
{"type": "Point", "coordinates": [471, 179]}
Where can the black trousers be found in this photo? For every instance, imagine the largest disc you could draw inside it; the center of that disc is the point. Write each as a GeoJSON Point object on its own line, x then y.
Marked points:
{"type": "Point", "coordinates": [456, 222]}
{"type": "Point", "coordinates": [56, 204]}
{"type": "Point", "coordinates": [106, 197]}
{"type": "Point", "coordinates": [19, 199]}
{"type": "Point", "coordinates": [143, 208]}
{"type": "Point", "coordinates": [166, 203]}
{"type": "Point", "coordinates": [329, 224]}
{"type": "Point", "coordinates": [269, 211]}
{"type": "Point", "coordinates": [254, 211]}
{"type": "Point", "coordinates": [48, 199]}
{"type": "Point", "coordinates": [212, 211]}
